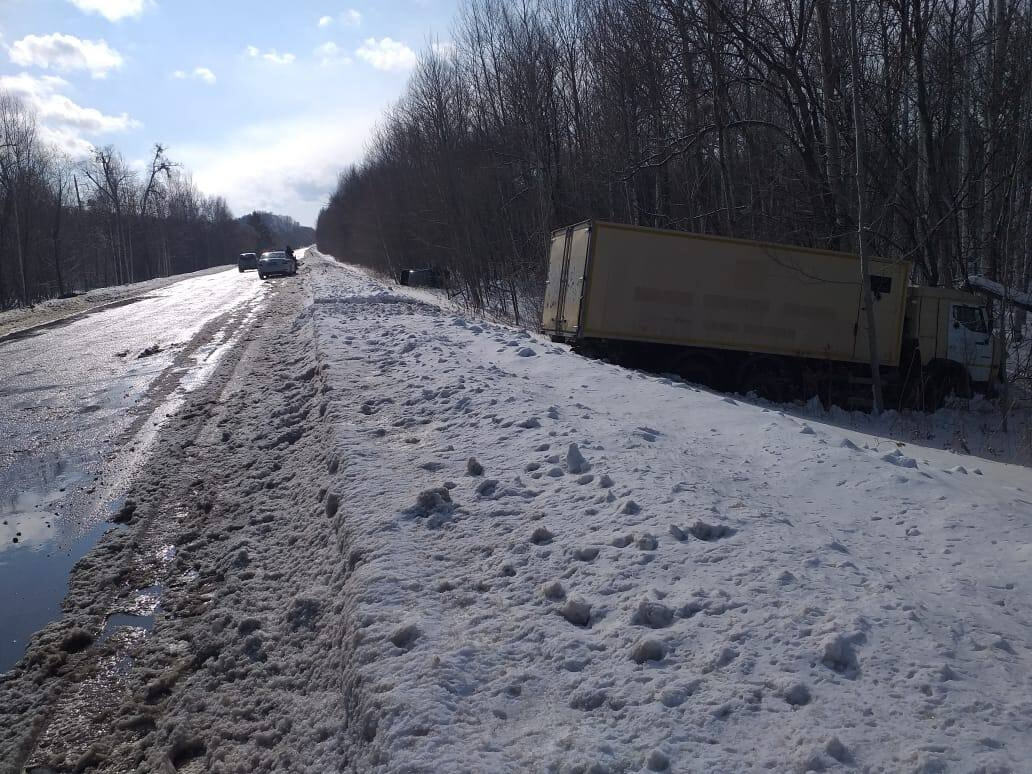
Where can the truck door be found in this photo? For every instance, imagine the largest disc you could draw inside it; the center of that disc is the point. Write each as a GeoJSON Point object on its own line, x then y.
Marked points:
{"type": "Point", "coordinates": [567, 263]}
{"type": "Point", "coordinates": [552, 314]}
{"type": "Point", "coordinates": [969, 342]}
{"type": "Point", "coordinates": [576, 271]}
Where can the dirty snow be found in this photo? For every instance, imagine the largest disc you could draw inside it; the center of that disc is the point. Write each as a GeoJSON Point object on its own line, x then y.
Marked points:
{"type": "Point", "coordinates": [406, 546]}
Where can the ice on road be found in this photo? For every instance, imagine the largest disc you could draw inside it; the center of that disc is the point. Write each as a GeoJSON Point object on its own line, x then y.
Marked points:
{"type": "Point", "coordinates": [82, 395]}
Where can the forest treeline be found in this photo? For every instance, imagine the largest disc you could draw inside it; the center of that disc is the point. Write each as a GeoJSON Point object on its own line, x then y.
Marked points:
{"type": "Point", "coordinates": [730, 118]}
{"type": "Point", "coordinates": [266, 230]}
{"type": "Point", "coordinates": [67, 226]}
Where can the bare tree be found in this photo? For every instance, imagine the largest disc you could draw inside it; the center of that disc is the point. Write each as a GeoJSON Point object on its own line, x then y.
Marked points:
{"type": "Point", "coordinates": [723, 117]}
{"type": "Point", "coordinates": [865, 264]}
{"type": "Point", "coordinates": [69, 225]}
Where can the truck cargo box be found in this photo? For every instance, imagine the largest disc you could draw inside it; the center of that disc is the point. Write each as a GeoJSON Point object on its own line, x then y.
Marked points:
{"type": "Point", "coordinates": [611, 281]}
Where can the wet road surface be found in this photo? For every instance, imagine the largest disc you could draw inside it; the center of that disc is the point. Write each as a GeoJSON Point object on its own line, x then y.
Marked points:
{"type": "Point", "coordinates": [82, 399]}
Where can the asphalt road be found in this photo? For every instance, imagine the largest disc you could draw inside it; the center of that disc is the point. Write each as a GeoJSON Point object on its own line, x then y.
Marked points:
{"type": "Point", "coordinates": [82, 398]}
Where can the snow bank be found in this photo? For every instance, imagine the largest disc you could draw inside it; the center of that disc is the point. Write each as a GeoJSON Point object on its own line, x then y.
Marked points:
{"type": "Point", "coordinates": [530, 307]}
{"type": "Point", "coordinates": [633, 574]}
{"type": "Point", "coordinates": [976, 427]}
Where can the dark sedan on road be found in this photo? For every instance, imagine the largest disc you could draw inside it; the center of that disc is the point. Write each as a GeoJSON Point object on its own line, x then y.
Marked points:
{"type": "Point", "coordinates": [247, 261]}
{"type": "Point", "coordinates": [277, 262]}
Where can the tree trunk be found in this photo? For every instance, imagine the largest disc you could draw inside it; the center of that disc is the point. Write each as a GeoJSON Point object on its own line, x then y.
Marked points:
{"type": "Point", "coordinates": [718, 98]}
{"type": "Point", "coordinates": [56, 235]}
{"type": "Point", "coordinates": [836, 190]}
{"type": "Point", "coordinates": [865, 268]}
{"type": "Point", "coordinates": [20, 249]}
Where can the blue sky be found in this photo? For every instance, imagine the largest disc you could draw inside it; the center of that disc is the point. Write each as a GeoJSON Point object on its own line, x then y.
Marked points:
{"type": "Point", "coordinates": [263, 100]}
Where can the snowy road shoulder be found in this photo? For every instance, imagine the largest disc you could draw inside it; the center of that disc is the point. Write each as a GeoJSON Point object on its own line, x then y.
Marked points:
{"type": "Point", "coordinates": [633, 572]}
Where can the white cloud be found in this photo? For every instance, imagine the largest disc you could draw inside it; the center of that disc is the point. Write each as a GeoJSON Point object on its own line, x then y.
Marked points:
{"type": "Point", "coordinates": [330, 54]}
{"type": "Point", "coordinates": [277, 58]}
{"type": "Point", "coordinates": [64, 53]}
{"type": "Point", "coordinates": [272, 55]}
{"type": "Point", "coordinates": [63, 122]}
{"type": "Point", "coordinates": [66, 141]}
{"type": "Point", "coordinates": [29, 86]}
{"type": "Point", "coordinates": [112, 10]}
{"type": "Point", "coordinates": [348, 18]}
{"type": "Point", "coordinates": [198, 73]}
{"type": "Point", "coordinates": [387, 54]}
{"type": "Point", "coordinates": [287, 166]}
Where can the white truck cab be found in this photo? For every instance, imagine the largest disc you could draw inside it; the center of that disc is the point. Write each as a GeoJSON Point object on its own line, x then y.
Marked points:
{"type": "Point", "coordinates": [952, 333]}
{"type": "Point", "coordinates": [969, 341]}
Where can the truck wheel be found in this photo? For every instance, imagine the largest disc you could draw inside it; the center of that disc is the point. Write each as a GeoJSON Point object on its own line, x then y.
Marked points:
{"type": "Point", "coordinates": [767, 378]}
{"type": "Point", "coordinates": [935, 392]}
{"type": "Point", "coordinates": [941, 384]}
{"type": "Point", "coordinates": [698, 370]}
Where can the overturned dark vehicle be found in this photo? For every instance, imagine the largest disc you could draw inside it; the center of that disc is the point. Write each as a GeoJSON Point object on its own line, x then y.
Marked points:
{"type": "Point", "coordinates": [425, 278]}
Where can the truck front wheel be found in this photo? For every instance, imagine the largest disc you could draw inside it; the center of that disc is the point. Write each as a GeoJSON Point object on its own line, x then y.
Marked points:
{"type": "Point", "coordinates": [941, 383]}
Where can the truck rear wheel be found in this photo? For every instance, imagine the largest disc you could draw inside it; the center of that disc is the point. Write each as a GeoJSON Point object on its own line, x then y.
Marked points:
{"type": "Point", "coordinates": [697, 369]}
{"type": "Point", "coordinates": [767, 377]}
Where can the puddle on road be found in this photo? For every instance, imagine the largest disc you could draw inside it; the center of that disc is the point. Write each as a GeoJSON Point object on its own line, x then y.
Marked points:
{"type": "Point", "coordinates": [138, 615]}
{"type": "Point", "coordinates": [52, 511]}
{"type": "Point", "coordinates": [125, 620]}
{"type": "Point", "coordinates": [30, 518]}
{"type": "Point", "coordinates": [34, 581]}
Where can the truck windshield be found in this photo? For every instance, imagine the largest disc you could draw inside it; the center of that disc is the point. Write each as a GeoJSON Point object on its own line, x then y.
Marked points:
{"type": "Point", "coordinates": [971, 317]}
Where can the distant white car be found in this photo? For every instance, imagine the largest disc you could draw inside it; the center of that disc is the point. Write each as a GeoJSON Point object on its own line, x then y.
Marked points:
{"type": "Point", "coordinates": [277, 262]}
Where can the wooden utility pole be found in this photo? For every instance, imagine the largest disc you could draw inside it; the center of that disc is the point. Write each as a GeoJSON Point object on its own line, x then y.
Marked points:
{"type": "Point", "coordinates": [865, 266]}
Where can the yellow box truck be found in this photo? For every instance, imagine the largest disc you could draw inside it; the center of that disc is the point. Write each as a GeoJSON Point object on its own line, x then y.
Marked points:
{"type": "Point", "coordinates": [782, 321]}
